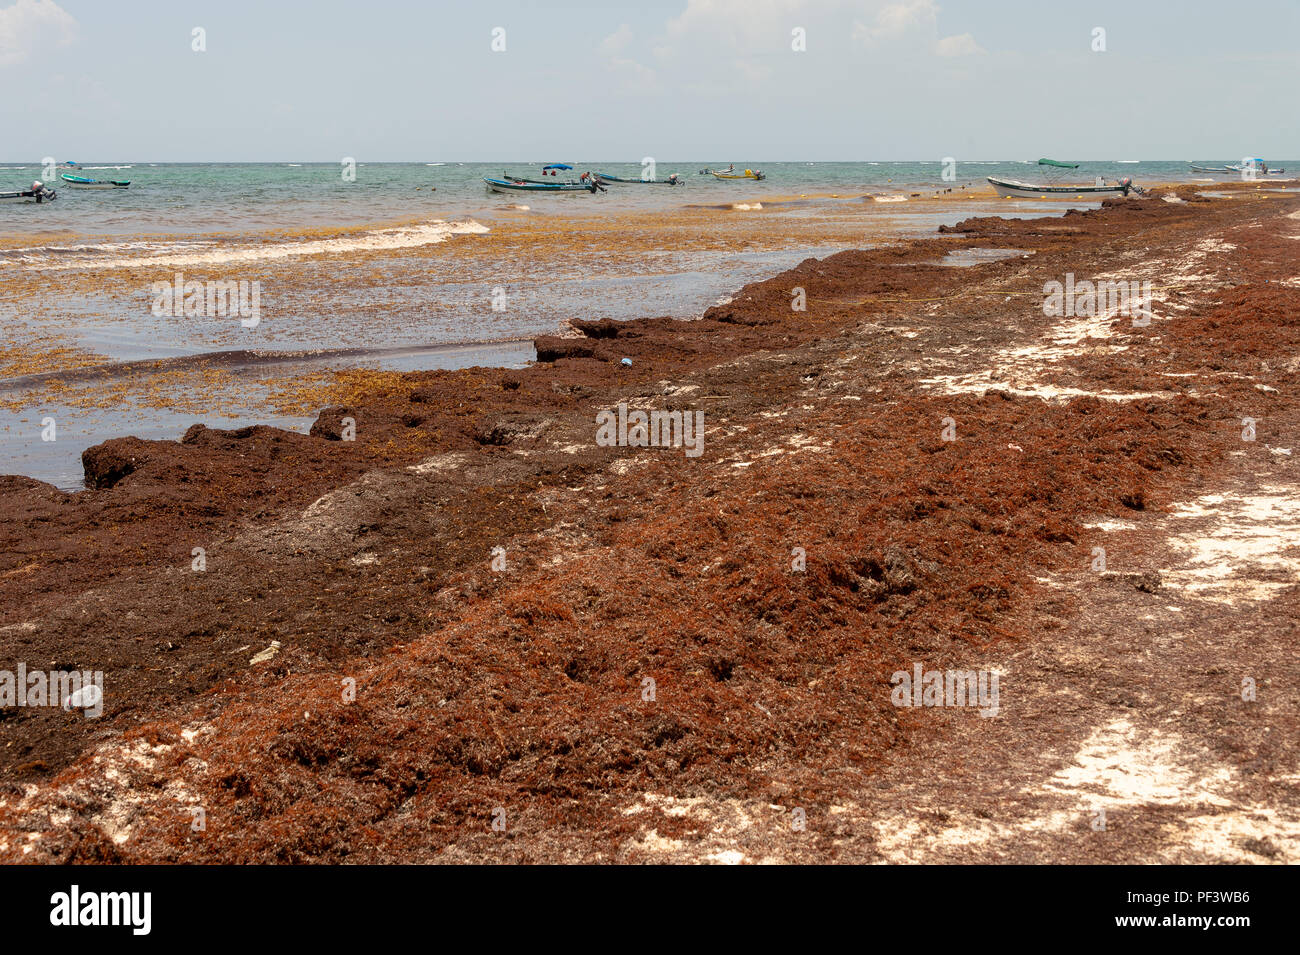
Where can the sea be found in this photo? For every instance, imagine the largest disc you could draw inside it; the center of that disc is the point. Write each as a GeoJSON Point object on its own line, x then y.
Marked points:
{"type": "Point", "coordinates": [179, 199]}
{"type": "Point", "coordinates": [406, 266]}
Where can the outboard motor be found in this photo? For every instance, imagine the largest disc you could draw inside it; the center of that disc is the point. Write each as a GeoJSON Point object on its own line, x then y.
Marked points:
{"type": "Point", "coordinates": [40, 193]}
{"type": "Point", "coordinates": [1126, 184]}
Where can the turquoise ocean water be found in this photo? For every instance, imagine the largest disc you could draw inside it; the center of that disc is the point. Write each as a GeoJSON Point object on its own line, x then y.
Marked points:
{"type": "Point", "coordinates": [199, 198]}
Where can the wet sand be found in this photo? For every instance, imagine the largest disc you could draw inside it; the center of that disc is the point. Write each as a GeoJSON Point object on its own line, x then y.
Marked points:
{"type": "Point", "coordinates": [828, 536]}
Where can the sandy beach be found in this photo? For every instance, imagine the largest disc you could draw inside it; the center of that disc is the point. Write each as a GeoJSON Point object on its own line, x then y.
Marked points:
{"type": "Point", "coordinates": [442, 621]}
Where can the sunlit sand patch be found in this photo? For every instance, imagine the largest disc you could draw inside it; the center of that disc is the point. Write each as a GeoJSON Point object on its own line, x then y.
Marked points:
{"type": "Point", "coordinates": [655, 843]}
{"type": "Point", "coordinates": [717, 827]}
{"type": "Point", "coordinates": [1019, 370]}
{"type": "Point", "coordinates": [119, 778]}
{"type": "Point", "coordinates": [1118, 766]}
{"type": "Point", "coordinates": [984, 381]}
{"type": "Point", "coordinates": [727, 857]}
{"type": "Point", "coordinates": [904, 838]}
{"type": "Point", "coordinates": [795, 444]}
{"type": "Point", "coordinates": [1111, 526]}
{"type": "Point", "coordinates": [451, 461]}
{"type": "Point", "coordinates": [1214, 245]}
{"type": "Point", "coordinates": [628, 462]}
{"type": "Point", "coordinates": [1236, 540]}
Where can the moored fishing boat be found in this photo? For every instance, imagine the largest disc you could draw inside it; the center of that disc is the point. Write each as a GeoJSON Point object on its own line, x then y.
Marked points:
{"type": "Point", "coordinates": [747, 174]}
{"type": "Point", "coordinates": [37, 193]}
{"type": "Point", "coordinates": [673, 180]}
{"type": "Point", "coordinates": [82, 182]}
{"type": "Point", "coordinates": [1257, 165]}
{"type": "Point", "coordinates": [1028, 190]}
{"type": "Point", "coordinates": [509, 185]}
{"type": "Point", "coordinates": [1015, 188]}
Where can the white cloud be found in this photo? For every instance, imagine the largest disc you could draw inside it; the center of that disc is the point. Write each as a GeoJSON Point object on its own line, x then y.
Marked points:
{"type": "Point", "coordinates": [617, 41]}
{"type": "Point", "coordinates": [895, 19]}
{"type": "Point", "coordinates": [723, 46]}
{"type": "Point", "coordinates": [744, 26]}
{"type": "Point", "coordinates": [32, 25]}
{"type": "Point", "coordinates": [963, 44]}
{"type": "Point", "coordinates": [612, 48]}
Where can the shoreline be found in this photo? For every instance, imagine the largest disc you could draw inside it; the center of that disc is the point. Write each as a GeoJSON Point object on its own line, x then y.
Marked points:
{"type": "Point", "coordinates": [524, 687]}
{"type": "Point", "coordinates": [338, 303]}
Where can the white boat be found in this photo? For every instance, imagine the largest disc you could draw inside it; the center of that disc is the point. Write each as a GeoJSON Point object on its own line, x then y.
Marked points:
{"type": "Point", "coordinates": [1028, 190]}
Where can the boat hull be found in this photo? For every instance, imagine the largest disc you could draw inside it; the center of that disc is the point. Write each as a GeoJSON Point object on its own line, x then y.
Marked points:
{"type": "Point", "coordinates": [728, 175]}
{"type": "Point", "coordinates": [506, 187]}
{"type": "Point", "coordinates": [639, 182]}
{"type": "Point", "coordinates": [1012, 188]}
{"type": "Point", "coordinates": [80, 182]}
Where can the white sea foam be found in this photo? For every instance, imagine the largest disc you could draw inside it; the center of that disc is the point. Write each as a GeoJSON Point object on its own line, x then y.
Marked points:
{"type": "Point", "coordinates": [124, 255]}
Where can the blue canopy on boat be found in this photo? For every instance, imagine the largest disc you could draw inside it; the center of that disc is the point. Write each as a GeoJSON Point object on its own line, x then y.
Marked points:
{"type": "Point", "coordinates": [557, 165]}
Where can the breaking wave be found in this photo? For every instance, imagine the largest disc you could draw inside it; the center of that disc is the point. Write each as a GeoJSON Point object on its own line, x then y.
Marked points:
{"type": "Point", "coordinates": [189, 252]}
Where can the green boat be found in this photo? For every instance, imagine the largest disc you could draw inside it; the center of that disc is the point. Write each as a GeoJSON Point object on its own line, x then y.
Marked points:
{"type": "Point", "coordinates": [81, 182]}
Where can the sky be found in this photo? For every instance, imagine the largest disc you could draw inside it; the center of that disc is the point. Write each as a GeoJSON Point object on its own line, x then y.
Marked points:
{"type": "Point", "coordinates": [420, 81]}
